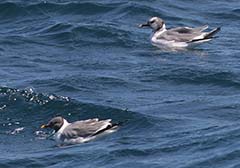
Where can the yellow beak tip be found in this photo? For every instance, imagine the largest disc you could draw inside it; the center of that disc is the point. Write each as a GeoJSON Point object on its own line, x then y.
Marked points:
{"type": "Point", "coordinates": [43, 126]}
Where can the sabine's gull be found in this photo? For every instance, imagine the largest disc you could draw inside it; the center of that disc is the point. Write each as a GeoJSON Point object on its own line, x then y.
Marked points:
{"type": "Point", "coordinates": [79, 131]}
{"type": "Point", "coordinates": [178, 37]}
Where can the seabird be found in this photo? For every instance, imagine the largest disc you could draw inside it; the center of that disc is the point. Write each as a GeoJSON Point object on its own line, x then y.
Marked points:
{"type": "Point", "coordinates": [80, 131]}
{"type": "Point", "coordinates": [178, 37]}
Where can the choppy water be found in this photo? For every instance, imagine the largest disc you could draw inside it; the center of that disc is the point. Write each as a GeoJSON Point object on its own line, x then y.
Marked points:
{"type": "Point", "coordinates": [85, 59]}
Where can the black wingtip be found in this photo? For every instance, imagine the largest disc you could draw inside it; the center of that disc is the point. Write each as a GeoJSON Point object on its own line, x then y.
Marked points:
{"type": "Point", "coordinates": [218, 29]}
{"type": "Point", "coordinates": [213, 32]}
{"type": "Point", "coordinates": [210, 35]}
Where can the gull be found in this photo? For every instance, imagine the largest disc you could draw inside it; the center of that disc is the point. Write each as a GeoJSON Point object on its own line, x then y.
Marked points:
{"type": "Point", "coordinates": [179, 37]}
{"type": "Point", "coordinates": [66, 133]}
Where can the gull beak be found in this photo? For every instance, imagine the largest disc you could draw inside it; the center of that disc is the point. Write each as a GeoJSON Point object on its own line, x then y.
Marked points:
{"type": "Point", "coordinates": [44, 126]}
{"type": "Point", "coordinates": [144, 25]}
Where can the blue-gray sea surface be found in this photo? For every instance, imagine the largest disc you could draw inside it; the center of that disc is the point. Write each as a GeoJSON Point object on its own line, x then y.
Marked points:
{"type": "Point", "coordinates": [86, 59]}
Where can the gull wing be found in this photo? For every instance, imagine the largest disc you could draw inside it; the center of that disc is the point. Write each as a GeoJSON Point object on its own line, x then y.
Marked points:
{"type": "Point", "coordinates": [189, 29]}
{"type": "Point", "coordinates": [193, 35]}
{"type": "Point", "coordinates": [85, 128]}
{"type": "Point", "coordinates": [175, 36]}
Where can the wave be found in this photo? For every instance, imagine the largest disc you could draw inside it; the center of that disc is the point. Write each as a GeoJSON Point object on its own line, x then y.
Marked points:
{"type": "Point", "coordinates": [21, 107]}
{"type": "Point", "coordinates": [59, 34]}
{"type": "Point", "coordinates": [102, 10]}
{"type": "Point", "coordinates": [70, 23]}
{"type": "Point", "coordinates": [10, 9]}
{"type": "Point", "coordinates": [195, 76]}
{"type": "Point", "coordinates": [25, 110]}
{"type": "Point", "coordinates": [230, 16]}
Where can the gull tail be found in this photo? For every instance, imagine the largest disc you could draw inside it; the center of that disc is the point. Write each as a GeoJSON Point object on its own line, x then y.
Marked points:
{"type": "Point", "coordinates": [110, 128]}
{"type": "Point", "coordinates": [207, 36]}
{"type": "Point", "coordinates": [212, 33]}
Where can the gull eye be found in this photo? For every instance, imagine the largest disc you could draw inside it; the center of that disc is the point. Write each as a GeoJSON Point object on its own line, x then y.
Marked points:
{"type": "Point", "coordinates": [152, 21]}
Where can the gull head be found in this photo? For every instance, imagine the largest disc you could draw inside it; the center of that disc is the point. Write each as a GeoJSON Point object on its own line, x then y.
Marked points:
{"type": "Point", "coordinates": [55, 123]}
{"type": "Point", "coordinates": [155, 23]}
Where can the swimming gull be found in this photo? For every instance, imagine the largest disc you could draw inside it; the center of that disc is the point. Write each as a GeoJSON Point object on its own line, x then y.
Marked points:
{"type": "Point", "coordinates": [179, 36]}
{"type": "Point", "coordinates": [80, 131]}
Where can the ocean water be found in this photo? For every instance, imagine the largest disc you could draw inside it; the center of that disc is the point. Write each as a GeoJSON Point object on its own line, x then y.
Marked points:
{"type": "Point", "coordinates": [86, 59]}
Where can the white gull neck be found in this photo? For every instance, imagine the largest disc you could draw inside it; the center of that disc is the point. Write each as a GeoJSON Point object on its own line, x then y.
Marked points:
{"type": "Point", "coordinates": [65, 124]}
{"type": "Point", "coordinates": [158, 33]}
